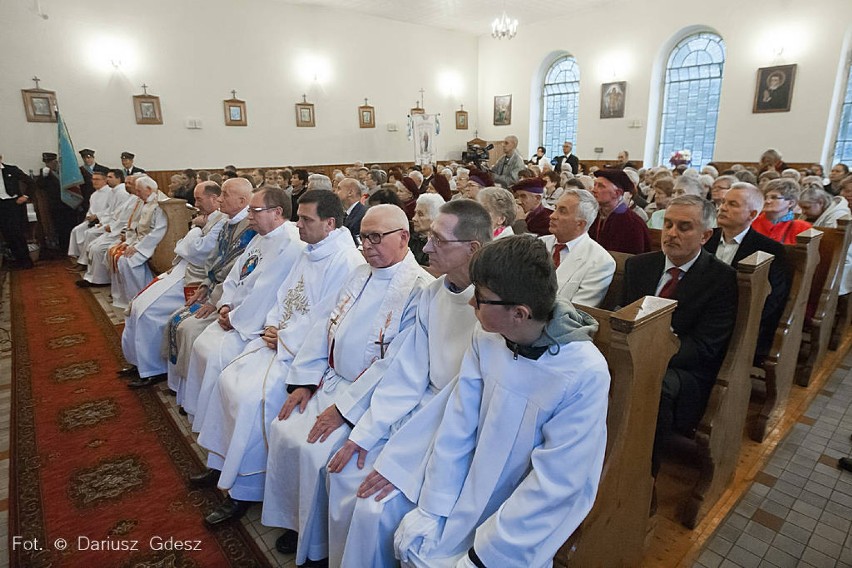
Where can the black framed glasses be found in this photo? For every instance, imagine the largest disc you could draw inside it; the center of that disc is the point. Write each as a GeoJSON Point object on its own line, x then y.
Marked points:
{"type": "Point", "coordinates": [480, 301]}
{"type": "Point", "coordinates": [376, 238]}
{"type": "Point", "coordinates": [438, 241]}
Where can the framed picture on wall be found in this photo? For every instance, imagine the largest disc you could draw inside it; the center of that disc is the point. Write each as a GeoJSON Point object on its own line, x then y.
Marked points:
{"type": "Point", "coordinates": [774, 90]}
{"type": "Point", "coordinates": [461, 120]}
{"type": "Point", "coordinates": [502, 110]}
{"type": "Point", "coordinates": [366, 116]}
{"type": "Point", "coordinates": [235, 113]}
{"type": "Point", "coordinates": [305, 115]}
{"type": "Point", "coordinates": [147, 109]}
{"type": "Point", "coordinates": [612, 99]}
{"type": "Point", "coordinates": [39, 105]}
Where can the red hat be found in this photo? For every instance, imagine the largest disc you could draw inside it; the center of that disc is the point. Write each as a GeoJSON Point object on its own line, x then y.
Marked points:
{"type": "Point", "coordinates": [531, 185]}
{"type": "Point", "coordinates": [620, 179]}
{"type": "Point", "coordinates": [411, 186]}
{"type": "Point", "coordinates": [481, 178]}
{"type": "Point", "coordinates": [442, 186]}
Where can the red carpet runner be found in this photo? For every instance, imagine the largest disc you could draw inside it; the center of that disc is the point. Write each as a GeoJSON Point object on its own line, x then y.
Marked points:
{"type": "Point", "coordinates": [96, 468]}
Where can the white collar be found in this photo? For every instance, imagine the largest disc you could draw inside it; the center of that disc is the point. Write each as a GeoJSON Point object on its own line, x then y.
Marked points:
{"type": "Point", "coordinates": [685, 266]}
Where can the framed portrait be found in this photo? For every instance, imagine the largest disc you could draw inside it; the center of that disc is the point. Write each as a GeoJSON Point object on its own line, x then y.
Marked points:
{"type": "Point", "coordinates": [235, 113]}
{"type": "Point", "coordinates": [418, 110]}
{"type": "Point", "coordinates": [502, 110]}
{"type": "Point", "coordinates": [305, 115]}
{"type": "Point", "coordinates": [461, 120]}
{"type": "Point", "coordinates": [366, 116]}
{"type": "Point", "coordinates": [612, 99]}
{"type": "Point", "coordinates": [774, 90]}
{"type": "Point", "coordinates": [39, 105]}
{"type": "Point", "coordinates": [147, 108]}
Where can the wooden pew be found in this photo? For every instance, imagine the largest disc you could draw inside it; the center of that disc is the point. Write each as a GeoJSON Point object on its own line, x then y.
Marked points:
{"type": "Point", "coordinates": [178, 216]}
{"type": "Point", "coordinates": [841, 322]}
{"type": "Point", "coordinates": [817, 328]}
{"type": "Point", "coordinates": [656, 239]}
{"type": "Point", "coordinates": [717, 441]}
{"type": "Point", "coordinates": [780, 365]}
{"type": "Point", "coordinates": [637, 342]}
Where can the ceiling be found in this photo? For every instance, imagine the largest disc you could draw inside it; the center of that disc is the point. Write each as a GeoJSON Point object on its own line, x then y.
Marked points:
{"type": "Point", "coordinates": [469, 16]}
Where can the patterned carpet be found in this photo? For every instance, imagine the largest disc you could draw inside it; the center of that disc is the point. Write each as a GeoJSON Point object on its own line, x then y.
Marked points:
{"type": "Point", "coordinates": [96, 471]}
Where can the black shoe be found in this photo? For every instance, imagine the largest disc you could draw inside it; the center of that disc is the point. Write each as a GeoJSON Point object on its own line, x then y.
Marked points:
{"type": "Point", "coordinates": [845, 463]}
{"type": "Point", "coordinates": [129, 371]}
{"type": "Point", "coordinates": [208, 478]}
{"type": "Point", "coordinates": [286, 543]}
{"type": "Point", "coordinates": [315, 563]}
{"type": "Point", "coordinates": [181, 411]}
{"type": "Point", "coordinates": [87, 284]}
{"type": "Point", "coordinates": [230, 510]}
{"type": "Point", "coordinates": [141, 383]}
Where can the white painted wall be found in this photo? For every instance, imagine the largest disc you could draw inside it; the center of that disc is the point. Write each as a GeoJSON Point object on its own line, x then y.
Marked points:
{"type": "Point", "coordinates": [193, 52]}
{"type": "Point", "coordinates": [622, 42]}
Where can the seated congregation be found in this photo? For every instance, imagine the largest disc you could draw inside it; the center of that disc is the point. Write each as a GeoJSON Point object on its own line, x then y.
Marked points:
{"type": "Point", "coordinates": [440, 367]}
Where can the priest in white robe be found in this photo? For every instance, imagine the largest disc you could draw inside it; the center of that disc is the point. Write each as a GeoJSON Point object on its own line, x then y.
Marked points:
{"type": "Point", "coordinates": [250, 391]}
{"type": "Point", "coordinates": [584, 269]}
{"type": "Point", "coordinates": [100, 206]}
{"type": "Point", "coordinates": [520, 435]}
{"type": "Point", "coordinates": [199, 311]}
{"type": "Point", "coordinates": [151, 308]}
{"type": "Point", "coordinates": [421, 364]}
{"type": "Point", "coordinates": [118, 198]}
{"type": "Point", "coordinates": [378, 302]}
{"type": "Point", "coordinates": [245, 299]}
{"type": "Point", "coordinates": [98, 270]}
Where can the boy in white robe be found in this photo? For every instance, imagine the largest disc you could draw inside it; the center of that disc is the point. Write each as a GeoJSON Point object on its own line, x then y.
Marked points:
{"type": "Point", "coordinates": [519, 437]}
{"type": "Point", "coordinates": [427, 360]}
{"type": "Point", "coordinates": [251, 389]}
{"type": "Point", "coordinates": [150, 309]}
{"type": "Point", "coordinates": [99, 209]}
{"type": "Point", "coordinates": [117, 200]}
{"type": "Point", "coordinates": [378, 302]}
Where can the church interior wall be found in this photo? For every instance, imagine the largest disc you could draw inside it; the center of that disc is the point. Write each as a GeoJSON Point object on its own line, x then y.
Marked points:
{"type": "Point", "coordinates": [192, 53]}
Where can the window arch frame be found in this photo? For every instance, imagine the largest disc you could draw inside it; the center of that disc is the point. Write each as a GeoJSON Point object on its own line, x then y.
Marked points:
{"type": "Point", "coordinates": [843, 133]}
{"type": "Point", "coordinates": [554, 145]}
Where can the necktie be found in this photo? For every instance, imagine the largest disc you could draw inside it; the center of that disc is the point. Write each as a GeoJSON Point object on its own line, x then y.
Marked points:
{"type": "Point", "coordinates": [557, 253]}
{"type": "Point", "coordinates": [670, 287]}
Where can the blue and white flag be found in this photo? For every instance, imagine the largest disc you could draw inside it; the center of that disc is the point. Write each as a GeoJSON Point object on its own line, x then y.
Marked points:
{"type": "Point", "coordinates": [70, 177]}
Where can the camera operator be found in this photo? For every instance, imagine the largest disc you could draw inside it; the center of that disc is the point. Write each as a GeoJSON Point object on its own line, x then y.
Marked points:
{"type": "Point", "coordinates": [506, 169]}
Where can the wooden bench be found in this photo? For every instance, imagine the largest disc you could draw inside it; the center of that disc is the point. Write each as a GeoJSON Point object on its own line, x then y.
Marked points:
{"type": "Point", "coordinates": [822, 303]}
{"type": "Point", "coordinates": [719, 435]}
{"type": "Point", "coordinates": [780, 364]}
{"type": "Point", "coordinates": [178, 216]}
{"type": "Point", "coordinates": [637, 342]}
{"type": "Point", "coordinates": [841, 322]}
{"type": "Point", "coordinates": [656, 239]}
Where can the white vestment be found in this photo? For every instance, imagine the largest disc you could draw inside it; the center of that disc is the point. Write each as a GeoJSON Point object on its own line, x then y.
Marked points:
{"type": "Point", "coordinates": [133, 272]}
{"type": "Point", "coordinates": [373, 308]}
{"type": "Point", "coordinates": [423, 362]}
{"type": "Point", "coordinates": [252, 388]}
{"type": "Point", "coordinates": [98, 271]}
{"type": "Point", "coordinates": [99, 206]}
{"type": "Point", "coordinates": [141, 340]}
{"type": "Point", "coordinates": [585, 272]}
{"type": "Point", "coordinates": [249, 290]}
{"type": "Point", "coordinates": [517, 453]}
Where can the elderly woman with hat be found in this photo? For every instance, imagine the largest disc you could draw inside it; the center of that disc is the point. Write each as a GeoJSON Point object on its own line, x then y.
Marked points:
{"type": "Point", "coordinates": [617, 228]}
{"type": "Point", "coordinates": [440, 185]}
{"type": "Point", "coordinates": [408, 191]}
{"type": "Point", "coordinates": [476, 181]}
{"type": "Point", "coordinates": [777, 221]}
{"type": "Point", "coordinates": [529, 193]}
{"type": "Point", "coordinates": [500, 205]}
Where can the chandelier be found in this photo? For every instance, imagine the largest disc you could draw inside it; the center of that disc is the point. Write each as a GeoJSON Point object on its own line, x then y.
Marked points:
{"type": "Point", "coordinates": [503, 27]}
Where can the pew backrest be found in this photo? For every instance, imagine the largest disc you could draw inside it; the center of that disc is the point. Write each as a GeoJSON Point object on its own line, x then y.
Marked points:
{"type": "Point", "coordinates": [178, 216]}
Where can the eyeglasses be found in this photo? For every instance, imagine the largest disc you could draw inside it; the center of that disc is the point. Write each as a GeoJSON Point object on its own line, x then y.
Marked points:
{"type": "Point", "coordinates": [774, 197]}
{"type": "Point", "coordinates": [376, 238]}
{"type": "Point", "coordinates": [480, 301]}
{"type": "Point", "coordinates": [259, 209]}
{"type": "Point", "coordinates": [438, 241]}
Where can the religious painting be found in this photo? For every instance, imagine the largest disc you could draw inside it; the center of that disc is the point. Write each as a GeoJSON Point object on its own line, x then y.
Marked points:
{"type": "Point", "coordinates": [612, 99]}
{"type": "Point", "coordinates": [305, 115]}
{"type": "Point", "coordinates": [366, 116]}
{"type": "Point", "coordinates": [235, 113]}
{"type": "Point", "coordinates": [147, 108]}
{"type": "Point", "coordinates": [39, 105]}
{"type": "Point", "coordinates": [502, 110]}
{"type": "Point", "coordinates": [774, 90]}
{"type": "Point", "coordinates": [461, 120]}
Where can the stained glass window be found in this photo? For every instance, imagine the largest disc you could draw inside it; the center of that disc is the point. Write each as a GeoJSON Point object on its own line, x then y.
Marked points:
{"type": "Point", "coordinates": [693, 84]}
{"type": "Point", "coordinates": [560, 104]}
{"type": "Point", "coordinates": [843, 144]}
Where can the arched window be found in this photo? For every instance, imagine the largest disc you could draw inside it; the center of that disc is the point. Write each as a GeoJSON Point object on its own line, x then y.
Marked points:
{"type": "Point", "coordinates": [843, 144]}
{"type": "Point", "coordinates": [693, 83]}
{"type": "Point", "coordinates": [560, 104]}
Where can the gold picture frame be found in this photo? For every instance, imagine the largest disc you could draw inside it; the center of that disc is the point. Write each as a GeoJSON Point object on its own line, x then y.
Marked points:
{"type": "Point", "coordinates": [774, 89]}
{"type": "Point", "coordinates": [147, 109]}
{"type": "Point", "coordinates": [461, 119]}
{"type": "Point", "coordinates": [39, 105]}
{"type": "Point", "coordinates": [305, 117]}
{"type": "Point", "coordinates": [366, 116]}
{"type": "Point", "coordinates": [235, 113]}
{"type": "Point", "coordinates": [502, 110]}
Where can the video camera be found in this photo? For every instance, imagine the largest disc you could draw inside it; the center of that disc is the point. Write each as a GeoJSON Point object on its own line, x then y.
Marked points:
{"type": "Point", "coordinates": [476, 154]}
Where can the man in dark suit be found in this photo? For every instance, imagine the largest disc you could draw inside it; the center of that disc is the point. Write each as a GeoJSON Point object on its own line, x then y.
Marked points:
{"type": "Point", "coordinates": [706, 291]}
{"type": "Point", "coordinates": [15, 187]}
{"type": "Point", "coordinates": [298, 186]}
{"type": "Point", "coordinates": [89, 163]}
{"type": "Point", "coordinates": [349, 193]}
{"type": "Point", "coordinates": [734, 240]}
{"type": "Point", "coordinates": [567, 156]}
{"type": "Point", "coordinates": [127, 164]}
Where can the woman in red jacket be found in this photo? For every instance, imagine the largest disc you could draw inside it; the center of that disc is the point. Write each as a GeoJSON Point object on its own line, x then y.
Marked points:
{"type": "Point", "coordinates": [777, 219]}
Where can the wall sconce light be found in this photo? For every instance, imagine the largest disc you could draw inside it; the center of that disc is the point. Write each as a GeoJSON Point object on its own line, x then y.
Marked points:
{"type": "Point", "coordinates": [314, 69]}
{"type": "Point", "coordinates": [111, 52]}
{"type": "Point", "coordinates": [450, 84]}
